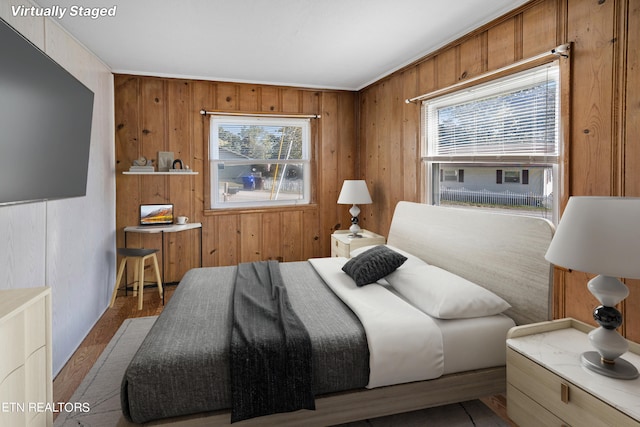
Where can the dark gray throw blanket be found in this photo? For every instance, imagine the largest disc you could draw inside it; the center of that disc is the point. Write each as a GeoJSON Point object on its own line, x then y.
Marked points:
{"type": "Point", "coordinates": [183, 367]}
{"type": "Point", "coordinates": [271, 365]}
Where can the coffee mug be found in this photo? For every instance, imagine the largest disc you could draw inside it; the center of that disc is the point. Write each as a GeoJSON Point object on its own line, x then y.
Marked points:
{"type": "Point", "coordinates": [182, 220]}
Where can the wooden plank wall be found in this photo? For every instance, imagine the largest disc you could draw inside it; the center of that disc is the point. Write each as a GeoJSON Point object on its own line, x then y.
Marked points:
{"type": "Point", "coordinates": [160, 114]}
{"type": "Point", "coordinates": [374, 135]}
{"type": "Point", "coordinates": [602, 150]}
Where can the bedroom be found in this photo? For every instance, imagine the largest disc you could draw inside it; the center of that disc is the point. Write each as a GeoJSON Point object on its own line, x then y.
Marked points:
{"type": "Point", "coordinates": [46, 242]}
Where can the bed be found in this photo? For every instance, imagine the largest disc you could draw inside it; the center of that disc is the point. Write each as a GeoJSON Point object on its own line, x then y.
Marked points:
{"type": "Point", "coordinates": [182, 366]}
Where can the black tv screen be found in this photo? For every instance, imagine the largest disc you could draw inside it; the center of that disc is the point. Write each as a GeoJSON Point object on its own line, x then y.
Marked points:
{"type": "Point", "coordinates": [45, 124]}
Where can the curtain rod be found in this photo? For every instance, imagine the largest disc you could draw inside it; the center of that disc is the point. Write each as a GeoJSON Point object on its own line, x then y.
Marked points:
{"type": "Point", "coordinates": [562, 51]}
{"type": "Point", "coordinates": [284, 116]}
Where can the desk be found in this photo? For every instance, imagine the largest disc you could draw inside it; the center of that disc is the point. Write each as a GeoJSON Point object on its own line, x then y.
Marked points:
{"type": "Point", "coordinates": [154, 229]}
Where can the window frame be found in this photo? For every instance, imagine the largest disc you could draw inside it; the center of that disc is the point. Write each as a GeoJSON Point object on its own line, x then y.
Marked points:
{"type": "Point", "coordinates": [433, 163]}
{"type": "Point", "coordinates": [215, 121]}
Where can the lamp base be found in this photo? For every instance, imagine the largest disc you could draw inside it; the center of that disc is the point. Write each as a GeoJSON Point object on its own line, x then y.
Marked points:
{"type": "Point", "coordinates": [621, 369]}
{"type": "Point", "coordinates": [355, 228]}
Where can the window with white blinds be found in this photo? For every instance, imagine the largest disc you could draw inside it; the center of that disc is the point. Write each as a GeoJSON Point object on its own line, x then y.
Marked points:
{"type": "Point", "coordinates": [515, 116]}
{"type": "Point", "coordinates": [496, 145]}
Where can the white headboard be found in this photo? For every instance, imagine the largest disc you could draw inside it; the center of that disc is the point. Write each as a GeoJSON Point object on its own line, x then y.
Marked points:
{"type": "Point", "coordinates": [501, 252]}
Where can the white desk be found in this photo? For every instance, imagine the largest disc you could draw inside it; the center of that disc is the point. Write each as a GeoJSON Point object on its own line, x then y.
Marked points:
{"type": "Point", "coordinates": [172, 228]}
{"type": "Point", "coordinates": [154, 229]}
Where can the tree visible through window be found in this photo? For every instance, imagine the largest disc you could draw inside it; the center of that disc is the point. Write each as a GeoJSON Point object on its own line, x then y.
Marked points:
{"type": "Point", "coordinates": [259, 161]}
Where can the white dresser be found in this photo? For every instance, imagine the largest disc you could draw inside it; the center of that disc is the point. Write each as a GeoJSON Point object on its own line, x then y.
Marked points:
{"type": "Point", "coordinates": [547, 385]}
{"type": "Point", "coordinates": [26, 393]}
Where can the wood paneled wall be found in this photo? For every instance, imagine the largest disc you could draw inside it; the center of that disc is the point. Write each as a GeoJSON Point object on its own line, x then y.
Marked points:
{"type": "Point", "coordinates": [374, 135]}
{"type": "Point", "coordinates": [602, 151]}
{"type": "Point", "coordinates": [159, 114]}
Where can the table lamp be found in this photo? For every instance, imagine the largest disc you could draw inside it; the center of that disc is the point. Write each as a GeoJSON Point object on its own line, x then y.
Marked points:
{"type": "Point", "coordinates": [354, 192]}
{"type": "Point", "coordinates": [601, 235]}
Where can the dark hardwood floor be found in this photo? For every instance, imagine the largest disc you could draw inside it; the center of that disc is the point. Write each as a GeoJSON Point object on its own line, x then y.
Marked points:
{"type": "Point", "coordinates": [125, 307]}
{"type": "Point", "coordinates": [72, 374]}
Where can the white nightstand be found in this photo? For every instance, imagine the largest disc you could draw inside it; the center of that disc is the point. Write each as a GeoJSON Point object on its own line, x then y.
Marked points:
{"type": "Point", "coordinates": [342, 244]}
{"type": "Point", "coordinates": [547, 385]}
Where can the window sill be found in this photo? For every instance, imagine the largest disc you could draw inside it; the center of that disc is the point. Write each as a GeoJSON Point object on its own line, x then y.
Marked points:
{"type": "Point", "coordinates": [260, 209]}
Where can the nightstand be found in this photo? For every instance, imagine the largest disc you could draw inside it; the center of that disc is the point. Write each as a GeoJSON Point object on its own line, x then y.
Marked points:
{"type": "Point", "coordinates": [547, 385]}
{"type": "Point", "coordinates": [342, 244]}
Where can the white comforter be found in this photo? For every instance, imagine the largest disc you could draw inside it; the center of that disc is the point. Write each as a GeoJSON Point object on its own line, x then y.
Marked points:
{"type": "Point", "coordinates": [404, 343]}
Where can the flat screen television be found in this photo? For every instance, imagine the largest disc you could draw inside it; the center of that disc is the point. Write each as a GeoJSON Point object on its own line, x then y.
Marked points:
{"type": "Point", "coordinates": [45, 124]}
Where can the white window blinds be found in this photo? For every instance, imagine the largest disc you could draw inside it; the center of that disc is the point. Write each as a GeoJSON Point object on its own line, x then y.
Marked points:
{"type": "Point", "coordinates": [513, 117]}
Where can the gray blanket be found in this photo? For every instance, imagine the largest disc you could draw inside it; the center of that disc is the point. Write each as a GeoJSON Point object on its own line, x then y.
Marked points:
{"type": "Point", "coordinates": [270, 347]}
{"type": "Point", "coordinates": [182, 367]}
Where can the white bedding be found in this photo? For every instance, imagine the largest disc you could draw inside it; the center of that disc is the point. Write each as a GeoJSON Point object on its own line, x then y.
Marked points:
{"type": "Point", "coordinates": [474, 343]}
{"type": "Point", "coordinates": [404, 343]}
{"type": "Point", "coordinates": [392, 325]}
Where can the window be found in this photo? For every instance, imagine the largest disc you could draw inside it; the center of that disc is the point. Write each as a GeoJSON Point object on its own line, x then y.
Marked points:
{"type": "Point", "coordinates": [450, 175]}
{"type": "Point", "coordinates": [504, 136]}
{"type": "Point", "coordinates": [512, 176]}
{"type": "Point", "coordinates": [259, 161]}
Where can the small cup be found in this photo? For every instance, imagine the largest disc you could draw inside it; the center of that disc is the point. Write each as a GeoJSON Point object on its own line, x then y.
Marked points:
{"type": "Point", "coordinates": [182, 220]}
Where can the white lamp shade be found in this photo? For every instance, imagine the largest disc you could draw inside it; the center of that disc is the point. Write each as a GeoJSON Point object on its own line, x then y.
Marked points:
{"type": "Point", "coordinates": [354, 192]}
{"type": "Point", "coordinates": [599, 235]}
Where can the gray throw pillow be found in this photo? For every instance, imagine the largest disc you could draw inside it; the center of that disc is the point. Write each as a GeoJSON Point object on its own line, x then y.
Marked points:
{"type": "Point", "coordinates": [373, 265]}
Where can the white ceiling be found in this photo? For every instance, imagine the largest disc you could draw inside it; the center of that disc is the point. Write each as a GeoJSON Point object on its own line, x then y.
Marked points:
{"type": "Point", "coordinates": [333, 44]}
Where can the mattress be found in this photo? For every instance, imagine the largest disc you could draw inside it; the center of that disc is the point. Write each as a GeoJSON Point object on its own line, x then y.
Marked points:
{"type": "Point", "coordinates": [182, 368]}
{"type": "Point", "coordinates": [482, 337]}
{"type": "Point", "coordinates": [475, 343]}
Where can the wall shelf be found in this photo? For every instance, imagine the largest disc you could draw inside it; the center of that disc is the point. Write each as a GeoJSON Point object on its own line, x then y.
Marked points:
{"type": "Point", "coordinates": [160, 173]}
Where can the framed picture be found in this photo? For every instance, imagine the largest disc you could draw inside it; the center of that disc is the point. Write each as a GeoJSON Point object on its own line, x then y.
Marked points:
{"type": "Point", "coordinates": [165, 160]}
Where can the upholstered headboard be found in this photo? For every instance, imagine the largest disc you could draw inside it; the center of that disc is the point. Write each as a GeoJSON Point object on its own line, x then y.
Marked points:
{"type": "Point", "coordinates": [501, 252]}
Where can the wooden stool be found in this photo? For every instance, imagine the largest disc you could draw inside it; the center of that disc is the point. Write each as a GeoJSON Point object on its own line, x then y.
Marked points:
{"type": "Point", "coordinates": [139, 256]}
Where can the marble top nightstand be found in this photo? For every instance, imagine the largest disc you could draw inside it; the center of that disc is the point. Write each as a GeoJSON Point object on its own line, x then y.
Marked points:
{"type": "Point", "coordinates": [544, 369]}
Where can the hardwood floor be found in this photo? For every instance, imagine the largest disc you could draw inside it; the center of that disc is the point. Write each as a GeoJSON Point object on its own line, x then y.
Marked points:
{"type": "Point", "coordinates": [72, 374]}
{"type": "Point", "coordinates": [498, 404]}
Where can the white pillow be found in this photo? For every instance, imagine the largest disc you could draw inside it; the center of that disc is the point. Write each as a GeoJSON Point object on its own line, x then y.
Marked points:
{"type": "Point", "coordinates": [412, 260]}
{"type": "Point", "coordinates": [445, 295]}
